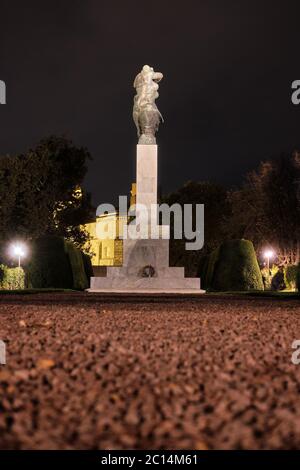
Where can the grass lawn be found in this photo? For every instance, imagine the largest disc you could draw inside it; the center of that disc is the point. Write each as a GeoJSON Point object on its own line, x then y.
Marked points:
{"type": "Point", "coordinates": [33, 291]}
{"type": "Point", "coordinates": [254, 293]}
{"type": "Point", "coordinates": [261, 293]}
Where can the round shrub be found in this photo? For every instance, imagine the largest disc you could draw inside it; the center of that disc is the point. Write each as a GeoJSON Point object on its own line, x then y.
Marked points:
{"type": "Point", "coordinates": [236, 267]}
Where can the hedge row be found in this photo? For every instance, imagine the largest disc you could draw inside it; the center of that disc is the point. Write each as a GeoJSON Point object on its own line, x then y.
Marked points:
{"type": "Point", "coordinates": [56, 263]}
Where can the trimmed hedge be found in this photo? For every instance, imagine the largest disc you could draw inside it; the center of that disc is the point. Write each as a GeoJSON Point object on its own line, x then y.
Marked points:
{"type": "Point", "coordinates": [11, 278]}
{"type": "Point", "coordinates": [235, 267]}
{"type": "Point", "coordinates": [290, 276]}
{"type": "Point", "coordinates": [58, 264]}
{"type": "Point", "coordinates": [278, 280]}
{"type": "Point", "coordinates": [87, 262]}
{"type": "Point", "coordinates": [268, 275]}
{"type": "Point", "coordinates": [49, 265]}
{"type": "Point", "coordinates": [80, 280]}
{"type": "Point", "coordinates": [202, 268]}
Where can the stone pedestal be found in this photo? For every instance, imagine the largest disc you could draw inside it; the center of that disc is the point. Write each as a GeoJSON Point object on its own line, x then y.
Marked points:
{"type": "Point", "coordinates": [146, 184]}
{"type": "Point", "coordinates": [146, 260]}
{"type": "Point", "coordinates": [138, 257]}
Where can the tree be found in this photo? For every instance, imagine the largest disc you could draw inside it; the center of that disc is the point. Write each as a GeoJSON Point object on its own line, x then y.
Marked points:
{"type": "Point", "coordinates": [214, 198]}
{"type": "Point", "coordinates": [266, 209]}
{"type": "Point", "coordinates": [41, 193]}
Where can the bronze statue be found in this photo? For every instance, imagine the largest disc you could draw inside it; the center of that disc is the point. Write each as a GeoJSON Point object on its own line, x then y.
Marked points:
{"type": "Point", "coordinates": [145, 112]}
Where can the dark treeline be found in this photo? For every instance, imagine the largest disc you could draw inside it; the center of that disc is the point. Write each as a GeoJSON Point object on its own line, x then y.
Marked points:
{"type": "Point", "coordinates": [264, 209]}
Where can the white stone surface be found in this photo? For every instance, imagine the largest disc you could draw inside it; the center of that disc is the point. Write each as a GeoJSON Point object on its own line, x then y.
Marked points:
{"type": "Point", "coordinates": [148, 291]}
{"type": "Point", "coordinates": [145, 283]}
{"type": "Point", "coordinates": [146, 182]}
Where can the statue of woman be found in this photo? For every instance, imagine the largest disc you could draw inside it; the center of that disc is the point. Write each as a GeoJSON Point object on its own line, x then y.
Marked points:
{"type": "Point", "coordinates": [145, 112]}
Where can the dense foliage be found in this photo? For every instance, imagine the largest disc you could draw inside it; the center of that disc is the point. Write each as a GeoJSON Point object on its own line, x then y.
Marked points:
{"type": "Point", "coordinates": [11, 278]}
{"type": "Point", "coordinates": [55, 263]}
{"type": "Point", "coordinates": [80, 279]}
{"type": "Point", "coordinates": [266, 209]}
{"type": "Point", "coordinates": [236, 267]}
{"type": "Point", "coordinates": [40, 192]}
{"type": "Point", "coordinates": [49, 264]}
{"type": "Point", "coordinates": [290, 277]}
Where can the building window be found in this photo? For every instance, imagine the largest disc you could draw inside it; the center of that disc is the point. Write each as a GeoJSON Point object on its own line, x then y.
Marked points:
{"type": "Point", "coordinates": [105, 252]}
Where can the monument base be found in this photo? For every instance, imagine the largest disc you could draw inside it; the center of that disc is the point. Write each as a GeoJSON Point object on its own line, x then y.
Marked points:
{"type": "Point", "coordinates": [138, 284]}
{"type": "Point", "coordinates": [149, 291]}
{"type": "Point", "coordinates": [145, 269]}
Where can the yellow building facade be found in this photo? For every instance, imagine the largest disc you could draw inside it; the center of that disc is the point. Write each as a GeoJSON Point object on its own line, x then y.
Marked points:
{"type": "Point", "coordinates": [106, 246]}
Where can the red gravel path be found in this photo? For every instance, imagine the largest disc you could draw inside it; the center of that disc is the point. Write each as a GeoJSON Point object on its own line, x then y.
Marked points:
{"type": "Point", "coordinates": [84, 372]}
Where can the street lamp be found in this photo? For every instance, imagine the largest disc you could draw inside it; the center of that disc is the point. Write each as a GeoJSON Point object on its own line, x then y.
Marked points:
{"type": "Point", "coordinates": [269, 254]}
{"type": "Point", "coordinates": [18, 251]}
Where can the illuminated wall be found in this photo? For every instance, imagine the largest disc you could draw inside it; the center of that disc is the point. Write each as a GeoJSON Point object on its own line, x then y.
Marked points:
{"type": "Point", "coordinates": [106, 246]}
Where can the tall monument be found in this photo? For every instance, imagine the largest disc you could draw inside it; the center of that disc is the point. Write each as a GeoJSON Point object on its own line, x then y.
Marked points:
{"type": "Point", "coordinates": [145, 265]}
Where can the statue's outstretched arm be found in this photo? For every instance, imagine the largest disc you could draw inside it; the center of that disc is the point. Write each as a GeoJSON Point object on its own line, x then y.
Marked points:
{"type": "Point", "coordinates": [157, 76]}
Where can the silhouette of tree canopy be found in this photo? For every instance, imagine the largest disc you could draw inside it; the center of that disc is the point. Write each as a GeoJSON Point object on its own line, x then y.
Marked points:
{"type": "Point", "coordinates": [266, 209]}
{"type": "Point", "coordinates": [41, 192]}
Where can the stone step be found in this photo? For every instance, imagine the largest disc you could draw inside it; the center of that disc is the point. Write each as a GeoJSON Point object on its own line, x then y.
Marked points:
{"type": "Point", "coordinates": [162, 272]}
{"type": "Point", "coordinates": [144, 283]}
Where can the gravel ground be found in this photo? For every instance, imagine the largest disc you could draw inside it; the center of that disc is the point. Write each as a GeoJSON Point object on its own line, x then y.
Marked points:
{"type": "Point", "coordinates": [87, 372]}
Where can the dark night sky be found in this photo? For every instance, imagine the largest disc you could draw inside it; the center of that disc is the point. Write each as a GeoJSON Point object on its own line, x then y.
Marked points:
{"type": "Point", "coordinates": [226, 95]}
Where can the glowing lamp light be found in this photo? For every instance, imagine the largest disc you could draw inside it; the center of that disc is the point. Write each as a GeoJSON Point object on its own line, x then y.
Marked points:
{"type": "Point", "coordinates": [269, 254]}
{"type": "Point", "coordinates": [18, 251]}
